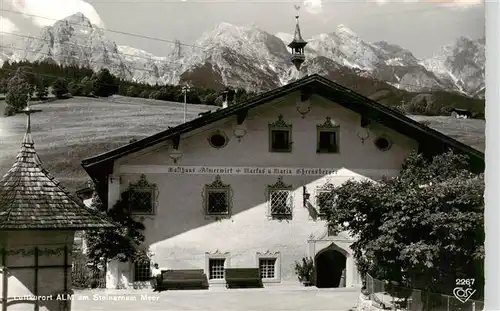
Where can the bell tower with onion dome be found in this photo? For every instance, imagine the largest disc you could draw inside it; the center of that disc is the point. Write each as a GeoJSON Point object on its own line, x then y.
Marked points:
{"type": "Point", "coordinates": [298, 44]}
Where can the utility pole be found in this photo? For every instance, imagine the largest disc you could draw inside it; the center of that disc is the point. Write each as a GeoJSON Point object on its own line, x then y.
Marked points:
{"type": "Point", "coordinates": [185, 90]}
{"type": "Point", "coordinates": [178, 48]}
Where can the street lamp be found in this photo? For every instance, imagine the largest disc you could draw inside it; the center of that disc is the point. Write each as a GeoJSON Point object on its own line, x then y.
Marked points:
{"type": "Point", "coordinates": [185, 90]}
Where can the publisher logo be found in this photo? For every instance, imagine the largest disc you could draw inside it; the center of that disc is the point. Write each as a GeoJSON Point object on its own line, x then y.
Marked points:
{"type": "Point", "coordinates": [464, 289]}
{"type": "Point", "coordinates": [463, 294]}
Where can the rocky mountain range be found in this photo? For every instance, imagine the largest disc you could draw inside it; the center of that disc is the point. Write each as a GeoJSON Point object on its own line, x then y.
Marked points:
{"type": "Point", "coordinates": [254, 59]}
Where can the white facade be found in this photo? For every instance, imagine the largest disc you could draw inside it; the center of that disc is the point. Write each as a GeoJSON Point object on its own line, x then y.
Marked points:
{"type": "Point", "coordinates": [79, 240]}
{"type": "Point", "coordinates": [181, 235]}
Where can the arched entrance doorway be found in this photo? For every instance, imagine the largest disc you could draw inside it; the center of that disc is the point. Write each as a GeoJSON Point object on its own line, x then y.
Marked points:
{"type": "Point", "coordinates": [330, 268]}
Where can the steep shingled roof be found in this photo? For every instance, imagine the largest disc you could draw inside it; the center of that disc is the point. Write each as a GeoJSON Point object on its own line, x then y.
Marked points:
{"type": "Point", "coordinates": [32, 199]}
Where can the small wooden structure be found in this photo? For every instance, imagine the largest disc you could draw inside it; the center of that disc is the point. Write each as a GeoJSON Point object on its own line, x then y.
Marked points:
{"type": "Point", "coordinates": [38, 219]}
{"type": "Point", "coordinates": [85, 193]}
{"type": "Point", "coordinates": [460, 113]}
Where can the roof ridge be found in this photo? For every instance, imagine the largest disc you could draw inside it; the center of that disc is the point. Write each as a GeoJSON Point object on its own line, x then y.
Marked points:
{"type": "Point", "coordinates": [241, 105]}
{"type": "Point", "coordinates": [399, 115]}
{"type": "Point", "coordinates": [98, 164]}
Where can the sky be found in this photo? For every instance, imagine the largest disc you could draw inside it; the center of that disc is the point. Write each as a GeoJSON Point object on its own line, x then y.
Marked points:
{"type": "Point", "coordinates": [423, 27]}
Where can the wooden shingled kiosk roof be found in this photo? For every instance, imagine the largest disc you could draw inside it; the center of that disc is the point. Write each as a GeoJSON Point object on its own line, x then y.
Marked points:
{"type": "Point", "coordinates": [32, 199]}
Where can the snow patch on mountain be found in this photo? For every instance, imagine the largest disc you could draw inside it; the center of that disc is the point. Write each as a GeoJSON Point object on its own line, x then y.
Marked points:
{"type": "Point", "coordinates": [75, 41]}
{"type": "Point", "coordinates": [285, 37]}
{"type": "Point", "coordinates": [462, 62]}
{"type": "Point", "coordinates": [9, 53]}
{"type": "Point", "coordinates": [379, 60]}
{"type": "Point", "coordinates": [137, 54]}
{"type": "Point", "coordinates": [242, 56]}
{"type": "Point", "coordinates": [344, 47]}
{"type": "Point", "coordinates": [249, 57]}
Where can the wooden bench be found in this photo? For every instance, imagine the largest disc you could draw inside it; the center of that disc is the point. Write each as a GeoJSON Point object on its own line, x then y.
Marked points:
{"type": "Point", "coordinates": [183, 279]}
{"type": "Point", "coordinates": [243, 278]}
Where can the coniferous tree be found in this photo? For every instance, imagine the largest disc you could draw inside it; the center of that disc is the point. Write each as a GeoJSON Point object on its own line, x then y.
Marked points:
{"type": "Point", "coordinates": [105, 84]}
{"type": "Point", "coordinates": [144, 94]}
{"type": "Point", "coordinates": [60, 88]}
{"type": "Point", "coordinates": [41, 90]}
{"type": "Point", "coordinates": [75, 88]}
{"type": "Point", "coordinates": [18, 94]}
{"type": "Point", "coordinates": [87, 86]}
{"type": "Point", "coordinates": [132, 91]}
{"type": "Point", "coordinates": [3, 85]}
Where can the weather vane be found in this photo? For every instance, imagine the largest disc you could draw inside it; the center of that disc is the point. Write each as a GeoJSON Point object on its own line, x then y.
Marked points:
{"type": "Point", "coordinates": [297, 8]}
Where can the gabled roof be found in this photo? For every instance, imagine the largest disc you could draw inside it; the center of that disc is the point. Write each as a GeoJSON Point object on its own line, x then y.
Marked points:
{"type": "Point", "coordinates": [430, 141]}
{"type": "Point", "coordinates": [467, 111]}
{"type": "Point", "coordinates": [32, 199]}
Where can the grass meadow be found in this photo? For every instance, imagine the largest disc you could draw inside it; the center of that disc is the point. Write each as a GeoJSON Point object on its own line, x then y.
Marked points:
{"type": "Point", "coordinates": [67, 131]}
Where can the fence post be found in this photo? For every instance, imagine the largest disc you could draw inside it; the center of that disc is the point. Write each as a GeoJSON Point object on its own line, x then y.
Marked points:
{"type": "Point", "coordinates": [448, 303]}
{"type": "Point", "coordinates": [417, 300]}
{"type": "Point", "coordinates": [5, 279]}
{"type": "Point", "coordinates": [473, 306]}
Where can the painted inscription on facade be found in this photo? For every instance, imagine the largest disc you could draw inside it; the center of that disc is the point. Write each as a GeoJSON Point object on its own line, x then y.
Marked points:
{"type": "Point", "coordinates": [251, 170]}
{"type": "Point", "coordinates": [282, 171]}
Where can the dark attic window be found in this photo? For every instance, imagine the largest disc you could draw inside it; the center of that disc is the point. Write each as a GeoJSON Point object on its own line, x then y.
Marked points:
{"type": "Point", "coordinates": [280, 141]}
{"type": "Point", "coordinates": [218, 140]}
{"type": "Point", "coordinates": [280, 136]}
{"type": "Point", "coordinates": [382, 143]}
{"type": "Point", "coordinates": [327, 137]}
{"type": "Point", "coordinates": [327, 142]}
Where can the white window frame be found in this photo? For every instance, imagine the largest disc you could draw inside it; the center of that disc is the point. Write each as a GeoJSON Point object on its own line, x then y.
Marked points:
{"type": "Point", "coordinates": [277, 265]}
{"type": "Point", "coordinates": [279, 186]}
{"type": "Point", "coordinates": [217, 255]}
